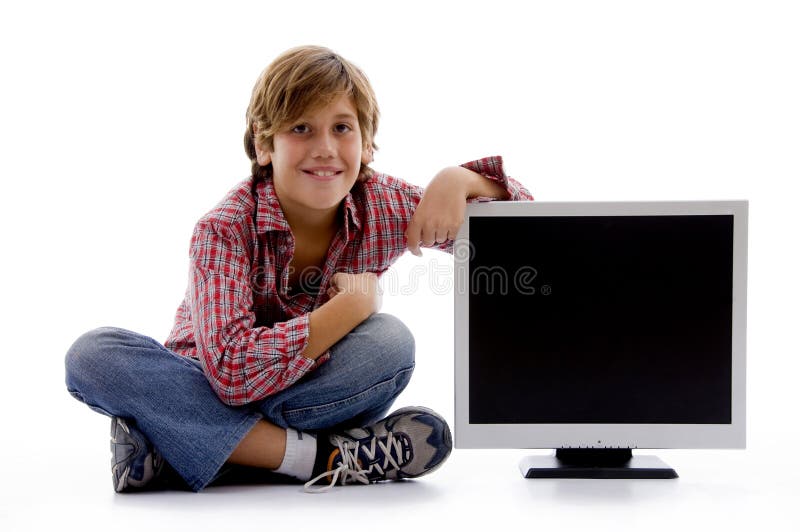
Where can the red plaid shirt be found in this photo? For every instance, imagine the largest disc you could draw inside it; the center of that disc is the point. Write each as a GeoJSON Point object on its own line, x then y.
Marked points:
{"type": "Point", "coordinates": [238, 317]}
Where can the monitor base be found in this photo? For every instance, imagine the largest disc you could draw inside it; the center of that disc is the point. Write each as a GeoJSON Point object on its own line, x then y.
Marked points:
{"type": "Point", "coordinates": [595, 463]}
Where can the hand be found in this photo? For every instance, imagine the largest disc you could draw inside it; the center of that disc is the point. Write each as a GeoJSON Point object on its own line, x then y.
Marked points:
{"type": "Point", "coordinates": [363, 288]}
{"type": "Point", "coordinates": [440, 212]}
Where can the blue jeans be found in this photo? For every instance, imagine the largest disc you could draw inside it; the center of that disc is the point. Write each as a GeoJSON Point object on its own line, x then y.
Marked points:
{"type": "Point", "coordinates": [121, 373]}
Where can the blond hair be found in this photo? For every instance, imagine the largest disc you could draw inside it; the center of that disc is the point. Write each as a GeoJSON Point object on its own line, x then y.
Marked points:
{"type": "Point", "coordinates": [302, 80]}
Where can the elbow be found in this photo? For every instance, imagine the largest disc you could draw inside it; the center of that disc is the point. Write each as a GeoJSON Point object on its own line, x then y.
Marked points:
{"type": "Point", "coordinates": [238, 380]}
{"type": "Point", "coordinates": [239, 389]}
{"type": "Point", "coordinates": [231, 387]}
{"type": "Point", "coordinates": [230, 393]}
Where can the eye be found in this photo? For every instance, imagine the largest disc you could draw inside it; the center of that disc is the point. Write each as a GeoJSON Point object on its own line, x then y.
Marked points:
{"type": "Point", "coordinates": [342, 128]}
{"type": "Point", "coordinates": [300, 128]}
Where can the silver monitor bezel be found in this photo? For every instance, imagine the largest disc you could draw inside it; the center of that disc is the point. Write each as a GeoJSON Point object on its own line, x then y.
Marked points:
{"type": "Point", "coordinates": [650, 436]}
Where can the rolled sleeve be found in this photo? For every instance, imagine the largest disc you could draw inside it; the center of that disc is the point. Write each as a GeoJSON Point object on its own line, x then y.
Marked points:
{"type": "Point", "coordinates": [492, 168]}
{"type": "Point", "coordinates": [241, 362]}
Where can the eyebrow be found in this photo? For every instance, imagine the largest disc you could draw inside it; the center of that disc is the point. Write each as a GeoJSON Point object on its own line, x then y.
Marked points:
{"type": "Point", "coordinates": [339, 116]}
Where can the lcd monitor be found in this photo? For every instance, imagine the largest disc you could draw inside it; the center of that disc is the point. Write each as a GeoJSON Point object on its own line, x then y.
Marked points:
{"type": "Point", "coordinates": [600, 328]}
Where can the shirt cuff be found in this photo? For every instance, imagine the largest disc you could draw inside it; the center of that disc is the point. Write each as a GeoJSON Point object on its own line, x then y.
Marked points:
{"type": "Point", "coordinates": [326, 356]}
{"type": "Point", "coordinates": [296, 342]}
{"type": "Point", "coordinates": [492, 168]}
{"type": "Point", "coordinates": [295, 335]}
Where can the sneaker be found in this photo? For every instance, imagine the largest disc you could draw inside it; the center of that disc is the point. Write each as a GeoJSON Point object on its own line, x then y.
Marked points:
{"type": "Point", "coordinates": [407, 444]}
{"type": "Point", "coordinates": [134, 461]}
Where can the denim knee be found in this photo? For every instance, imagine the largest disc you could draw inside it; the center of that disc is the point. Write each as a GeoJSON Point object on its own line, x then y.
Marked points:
{"type": "Point", "coordinates": [367, 371]}
{"type": "Point", "coordinates": [90, 358]}
{"type": "Point", "coordinates": [84, 353]}
{"type": "Point", "coordinates": [394, 344]}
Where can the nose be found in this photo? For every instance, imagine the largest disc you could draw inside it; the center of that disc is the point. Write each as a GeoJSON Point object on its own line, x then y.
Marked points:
{"type": "Point", "coordinates": [324, 145]}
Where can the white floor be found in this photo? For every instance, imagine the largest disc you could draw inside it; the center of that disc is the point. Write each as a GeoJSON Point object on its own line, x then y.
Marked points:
{"type": "Point", "coordinates": [65, 483]}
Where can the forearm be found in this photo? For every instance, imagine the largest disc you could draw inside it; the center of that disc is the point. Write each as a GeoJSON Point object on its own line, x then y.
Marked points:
{"type": "Point", "coordinates": [472, 184]}
{"type": "Point", "coordinates": [333, 321]}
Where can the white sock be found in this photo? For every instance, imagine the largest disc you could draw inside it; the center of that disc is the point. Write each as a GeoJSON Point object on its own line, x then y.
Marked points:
{"type": "Point", "coordinates": [301, 451]}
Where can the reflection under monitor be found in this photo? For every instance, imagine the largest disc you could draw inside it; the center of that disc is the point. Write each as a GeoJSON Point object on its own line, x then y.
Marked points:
{"type": "Point", "coordinates": [598, 328]}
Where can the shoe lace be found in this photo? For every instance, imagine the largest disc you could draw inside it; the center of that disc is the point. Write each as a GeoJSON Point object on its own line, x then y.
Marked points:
{"type": "Point", "coordinates": [350, 468]}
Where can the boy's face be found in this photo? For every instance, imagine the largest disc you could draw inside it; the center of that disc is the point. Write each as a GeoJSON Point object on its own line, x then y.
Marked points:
{"type": "Point", "coordinates": [316, 160]}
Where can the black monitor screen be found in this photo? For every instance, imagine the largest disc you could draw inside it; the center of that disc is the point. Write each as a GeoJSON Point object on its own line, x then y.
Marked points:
{"type": "Point", "coordinates": [600, 319]}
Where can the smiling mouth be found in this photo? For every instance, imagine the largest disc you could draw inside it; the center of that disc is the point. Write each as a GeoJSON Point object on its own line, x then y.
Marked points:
{"type": "Point", "coordinates": [323, 175]}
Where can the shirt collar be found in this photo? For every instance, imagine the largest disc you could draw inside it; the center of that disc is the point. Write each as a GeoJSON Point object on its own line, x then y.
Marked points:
{"type": "Point", "coordinates": [269, 216]}
{"type": "Point", "coordinates": [351, 219]}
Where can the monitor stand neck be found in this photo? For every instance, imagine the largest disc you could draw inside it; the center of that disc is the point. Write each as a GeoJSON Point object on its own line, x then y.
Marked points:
{"type": "Point", "coordinates": [595, 463]}
{"type": "Point", "coordinates": [594, 457]}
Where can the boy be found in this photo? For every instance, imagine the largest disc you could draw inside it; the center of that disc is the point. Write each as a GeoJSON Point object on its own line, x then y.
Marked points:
{"type": "Point", "coordinates": [278, 358]}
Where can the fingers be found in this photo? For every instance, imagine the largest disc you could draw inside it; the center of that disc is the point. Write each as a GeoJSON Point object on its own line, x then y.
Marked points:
{"type": "Point", "coordinates": [341, 282]}
{"type": "Point", "coordinates": [427, 237]}
{"type": "Point", "coordinates": [442, 236]}
{"type": "Point", "coordinates": [438, 237]}
{"type": "Point", "coordinates": [345, 282]}
{"type": "Point", "coordinates": [413, 237]}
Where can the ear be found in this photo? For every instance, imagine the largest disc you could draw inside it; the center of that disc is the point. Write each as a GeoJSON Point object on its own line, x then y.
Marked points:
{"type": "Point", "coordinates": [262, 156]}
{"type": "Point", "coordinates": [366, 155]}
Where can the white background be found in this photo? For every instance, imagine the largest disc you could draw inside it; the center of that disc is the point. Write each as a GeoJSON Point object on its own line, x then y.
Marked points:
{"type": "Point", "coordinates": [120, 125]}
